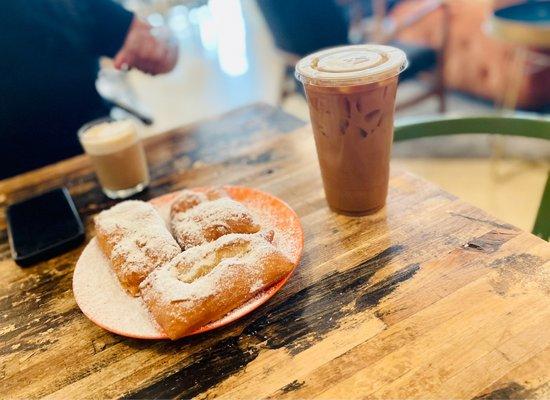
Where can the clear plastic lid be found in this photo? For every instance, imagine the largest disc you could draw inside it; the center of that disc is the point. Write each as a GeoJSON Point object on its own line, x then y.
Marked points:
{"type": "Point", "coordinates": [351, 65]}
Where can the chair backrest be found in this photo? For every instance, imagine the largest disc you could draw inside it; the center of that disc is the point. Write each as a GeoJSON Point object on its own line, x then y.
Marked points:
{"type": "Point", "coordinates": [524, 124]}
{"type": "Point", "coordinates": [302, 27]}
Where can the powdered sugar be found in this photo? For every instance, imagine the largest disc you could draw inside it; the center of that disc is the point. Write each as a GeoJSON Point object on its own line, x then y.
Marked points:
{"type": "Point", "coordinates": [169, 288]}
{"type": "Point", "coordinates": [287, 230]}
{"type": "Point", "coordinates": [211, 219]}
{"type": "Point", "coordinates": [270, 215]}
{"type": "Point", "coordinates": [256, 286]}
{"type": "Point", "coordinates": [100, 296]}
{"type": "Point", "coordinates": [138, 235]}
{"type": "Point", "coordinates": [102, 299]}
{"type": "Point", "coordinates": [204, 270]}
{"type": "Point", "coordinates": [188, 199]}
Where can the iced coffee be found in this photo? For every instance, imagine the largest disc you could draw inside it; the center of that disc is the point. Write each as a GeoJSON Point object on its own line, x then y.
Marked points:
{"type": "Point", "coordinates": [351, 96]}
{"type": "Point", "coordinates": [117, 154]}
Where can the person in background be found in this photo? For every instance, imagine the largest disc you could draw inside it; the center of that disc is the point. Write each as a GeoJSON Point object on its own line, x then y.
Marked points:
{"type": "Point", "coordinates": [49, 60]}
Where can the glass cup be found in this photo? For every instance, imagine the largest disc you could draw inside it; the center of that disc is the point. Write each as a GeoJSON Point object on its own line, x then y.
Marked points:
{"type": "Point", "coordinates": [350, 92]}
{"type": "Point", "coordinates": [117, 154]}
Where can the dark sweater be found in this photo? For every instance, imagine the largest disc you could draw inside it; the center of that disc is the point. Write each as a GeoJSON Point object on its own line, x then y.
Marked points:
{"type": "Point", "coordinates": [49, 52]}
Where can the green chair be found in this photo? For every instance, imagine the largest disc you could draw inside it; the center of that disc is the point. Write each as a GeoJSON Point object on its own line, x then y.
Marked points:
{"type": "Point", "coordinates": [521, 124]}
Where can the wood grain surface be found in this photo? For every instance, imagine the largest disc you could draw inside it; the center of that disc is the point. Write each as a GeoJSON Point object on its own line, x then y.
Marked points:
{"type": "Point", "coordinates": [429, 298]}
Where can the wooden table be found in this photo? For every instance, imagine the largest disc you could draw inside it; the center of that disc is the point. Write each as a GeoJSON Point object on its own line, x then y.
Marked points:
{"type": "Point", "coordinates": [430, 298]}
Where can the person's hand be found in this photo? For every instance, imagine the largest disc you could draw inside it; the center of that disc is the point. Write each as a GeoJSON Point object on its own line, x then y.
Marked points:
{"type": "Point", "coordinates": [151, 50]}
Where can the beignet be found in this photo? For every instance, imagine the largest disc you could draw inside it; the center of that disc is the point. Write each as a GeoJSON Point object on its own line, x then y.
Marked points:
{"type": "Point", "coordinates": [188, 199]}
{"type": "Point", "coordinates": [198, 218]}
{"type": "Point", "coordinates": [204, 283]}
{"type": "Point", "coordinates": [136, 240]}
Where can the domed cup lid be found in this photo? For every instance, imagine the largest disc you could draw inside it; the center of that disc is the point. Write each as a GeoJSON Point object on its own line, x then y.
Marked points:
{"type": "Point", "coordinates": [351, 65]}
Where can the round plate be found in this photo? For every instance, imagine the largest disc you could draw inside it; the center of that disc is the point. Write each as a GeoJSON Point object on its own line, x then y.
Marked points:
{"type": "Point", "coordinates": [102, 299]}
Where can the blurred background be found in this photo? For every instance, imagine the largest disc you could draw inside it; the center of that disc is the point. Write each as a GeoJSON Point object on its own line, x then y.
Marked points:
{"type": "Point", "coordinates": [235, 52]}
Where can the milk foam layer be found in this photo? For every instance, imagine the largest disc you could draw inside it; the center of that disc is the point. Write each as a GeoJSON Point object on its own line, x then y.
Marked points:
{"type": "Point", "coordinates": [351, 65]}
{"type": "Point", "coordinates": [109, 137]}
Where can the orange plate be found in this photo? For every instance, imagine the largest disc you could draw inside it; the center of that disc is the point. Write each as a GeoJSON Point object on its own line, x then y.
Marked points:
{"type": "Point", "coordinates": [104, 302]}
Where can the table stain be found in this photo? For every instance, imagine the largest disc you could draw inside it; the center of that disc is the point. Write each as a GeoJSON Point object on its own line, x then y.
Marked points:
{"type": "Point", "coordinates": [296, 324]}
{"type": "Point", "coordinates": [491, 241]}
{"type": "Point", "coordinates": [512, 391]}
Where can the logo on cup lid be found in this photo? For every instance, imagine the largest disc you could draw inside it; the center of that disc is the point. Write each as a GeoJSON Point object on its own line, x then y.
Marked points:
{"type": "Point", "coordinates": [351, 65]}
{"type": "Point", "coordinates": [349, 61]}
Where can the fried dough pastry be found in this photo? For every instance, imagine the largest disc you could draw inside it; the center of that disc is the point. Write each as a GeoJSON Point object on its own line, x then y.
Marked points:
{"type": "Point", "coordinates": [188, 199]}
{"type": "Point", "coordinates": [136, 240]}
{"type": "Point", "coordinates": [204, 283]}
{"type": "Point", "coordinates": [198, 218]}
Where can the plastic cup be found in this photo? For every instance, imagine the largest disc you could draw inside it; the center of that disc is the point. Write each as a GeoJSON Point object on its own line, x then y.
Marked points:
{"type": "Point", "coordinates": [350, 92]}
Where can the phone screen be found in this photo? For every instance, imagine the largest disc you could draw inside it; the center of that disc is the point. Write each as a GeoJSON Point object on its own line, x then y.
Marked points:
{"type": "Point", "coordinates": [43, 224]}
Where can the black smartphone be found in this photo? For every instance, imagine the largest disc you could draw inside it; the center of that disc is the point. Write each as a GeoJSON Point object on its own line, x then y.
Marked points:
{"type": "Point", "coordinates": [43, 226]}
